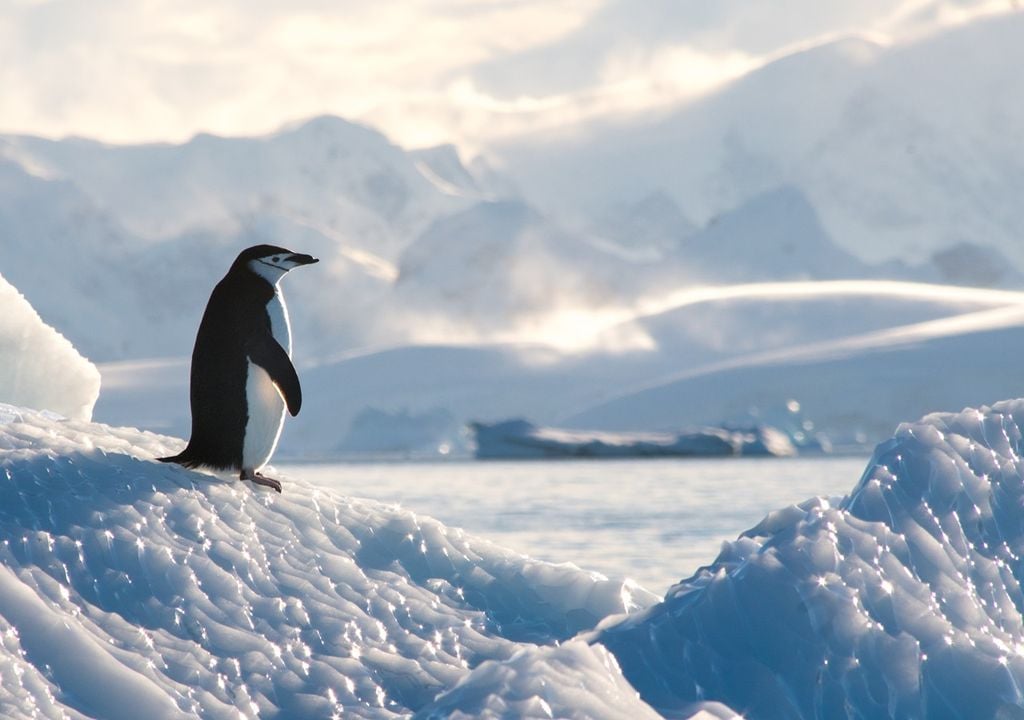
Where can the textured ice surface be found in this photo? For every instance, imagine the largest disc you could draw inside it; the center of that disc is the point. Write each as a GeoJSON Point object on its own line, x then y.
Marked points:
{"type": "Point", "coordinates": [39, 368]}
{"type": "Point", "coordinates": [902, 599]}
{"type": "Point", "coordinates": [580, 680]}
{"type": "Point", "coordinates": [130, 589]}
{"type": "Point", "coordinates": [134, 589]}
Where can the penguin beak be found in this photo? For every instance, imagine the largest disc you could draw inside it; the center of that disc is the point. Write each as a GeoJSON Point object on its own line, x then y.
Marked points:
{"type": "Point", "coordinates": [301, 259]}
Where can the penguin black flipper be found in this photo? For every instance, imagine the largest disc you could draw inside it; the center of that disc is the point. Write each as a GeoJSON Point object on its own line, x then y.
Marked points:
{"type": "Point", "coordinates": [267, 353]}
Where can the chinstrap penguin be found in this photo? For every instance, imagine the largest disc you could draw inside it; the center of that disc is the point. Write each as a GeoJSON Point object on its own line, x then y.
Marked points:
{"type": "Point", "coordinates": [242, 373]}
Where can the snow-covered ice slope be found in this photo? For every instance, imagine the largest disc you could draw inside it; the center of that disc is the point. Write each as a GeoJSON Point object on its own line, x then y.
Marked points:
{"type": "Point", "coordinates": [584, 678]}
{"type": "Point", "coordinates": [39, 368]}
{"type": "Point", "coordinates": [130, 589]}
{"type": "Point", "coordinates": [902, 599]}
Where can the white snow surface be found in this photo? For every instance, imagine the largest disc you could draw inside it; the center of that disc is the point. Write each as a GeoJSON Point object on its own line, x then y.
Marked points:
{"type": "Point", "coordinates": [902, 599]}
{"type": "Point", "coordinates": [585, 679]}
{"type": "Point", "coordinates": [39, 368]}
{"type": "Point", "coordinates": [129, 588]}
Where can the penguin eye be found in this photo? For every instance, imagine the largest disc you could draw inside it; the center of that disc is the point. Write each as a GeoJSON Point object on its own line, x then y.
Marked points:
{"type": "Point", "coordinates": [275, 259]}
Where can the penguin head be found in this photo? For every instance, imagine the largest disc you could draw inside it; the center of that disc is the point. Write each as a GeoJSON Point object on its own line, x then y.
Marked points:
{"type": "Point", "coordinates": [270, 262]}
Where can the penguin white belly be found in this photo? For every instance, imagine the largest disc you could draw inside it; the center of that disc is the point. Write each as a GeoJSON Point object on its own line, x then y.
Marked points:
{"type": "Point", "coordinates": [280, 327]}
{"type": "Point", "coordinates": [265, 405]}
{"type": "Point", "coordinates": [266, 418]}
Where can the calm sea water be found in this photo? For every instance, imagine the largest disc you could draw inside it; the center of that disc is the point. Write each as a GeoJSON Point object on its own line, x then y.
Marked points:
{"type": "Point", "coordinates": [655, 521]}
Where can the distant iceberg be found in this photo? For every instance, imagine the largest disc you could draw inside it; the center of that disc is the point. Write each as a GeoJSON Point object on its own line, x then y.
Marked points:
{"type": "Point", "coordinates": [519, 439]}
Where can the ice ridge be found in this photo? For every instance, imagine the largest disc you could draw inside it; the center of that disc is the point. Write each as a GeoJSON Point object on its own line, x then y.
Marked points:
{"type": "Point", "coordinates": [902, 599]}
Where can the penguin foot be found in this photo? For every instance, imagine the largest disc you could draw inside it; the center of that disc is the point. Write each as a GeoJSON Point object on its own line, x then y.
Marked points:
{"type": "Point", "coordinates": [258, 479]}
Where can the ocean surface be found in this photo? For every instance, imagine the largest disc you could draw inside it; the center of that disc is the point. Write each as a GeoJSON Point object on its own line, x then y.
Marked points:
{"type": "Point", "coordinates": [655, 521]}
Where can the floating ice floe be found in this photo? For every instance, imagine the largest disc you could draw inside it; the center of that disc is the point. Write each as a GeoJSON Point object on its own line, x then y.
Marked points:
{"type": "Point", "coordinates": [519, 439]}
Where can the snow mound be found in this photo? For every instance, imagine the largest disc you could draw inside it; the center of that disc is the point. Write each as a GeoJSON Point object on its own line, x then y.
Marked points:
{"type": "Point", "coordinates": [521, 439]}
{"type": "Point", "coordinates": [580, 680]}
{"type": "Point", "coordinates": [39, 368]}
{"type": "Point", "coordinates": [902, 599]}
{"type": "Point", "coordinates": [129, 588]}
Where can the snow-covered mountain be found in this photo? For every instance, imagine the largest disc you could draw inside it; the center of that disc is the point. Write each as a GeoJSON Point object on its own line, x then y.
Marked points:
{"type": "Point", "coordinates": [822, 164]}
{"type": "Point", "coordinates": [333, 175]}
{"type": "Point", "coordinates": [120, 246]}
{"type": "Point", "coordinates": [851, 386]}
{"type": "Point", "coordinates": [775, 235]}
{"type": "Point", "coordinates": [802, 330]}
{"type": "Point", "coordinates": [501, 261]}
{"type": "Point", "coordinates": [903, 150]}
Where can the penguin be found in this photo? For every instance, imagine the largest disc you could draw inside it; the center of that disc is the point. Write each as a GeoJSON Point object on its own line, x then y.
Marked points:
{"type": "Point", "coordinates": [242, 376]}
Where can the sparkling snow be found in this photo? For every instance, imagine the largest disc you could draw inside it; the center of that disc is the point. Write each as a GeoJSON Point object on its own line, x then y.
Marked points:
{"type": "Point", "coordinates": [129, 588]}
{"type": "Point", "coordinates": [902, 599]}
{"type": "Point", "coordinates": [39, 368]}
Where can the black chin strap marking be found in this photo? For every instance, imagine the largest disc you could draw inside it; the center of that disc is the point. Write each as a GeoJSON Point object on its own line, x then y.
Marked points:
{"type": "Point", "coordinates": [276, 267]}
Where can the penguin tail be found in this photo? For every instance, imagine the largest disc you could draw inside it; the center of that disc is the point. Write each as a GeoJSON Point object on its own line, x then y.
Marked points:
{"type": "Point", "coordinates": [183, 458]}
{"type": "Point", "coordinates": [195, 457]}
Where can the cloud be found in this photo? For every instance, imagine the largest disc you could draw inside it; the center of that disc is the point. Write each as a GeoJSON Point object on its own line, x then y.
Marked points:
{"type": "Point", "coordinates": [424, 71]}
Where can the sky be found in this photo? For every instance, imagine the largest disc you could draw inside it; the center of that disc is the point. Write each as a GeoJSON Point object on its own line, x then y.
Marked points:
{"type": "Point", "coordinates": [422, 71]}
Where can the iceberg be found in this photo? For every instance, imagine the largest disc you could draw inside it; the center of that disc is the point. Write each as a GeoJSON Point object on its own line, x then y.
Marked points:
{"type": "Point", "coordinates": [902, 599]}
{"type": "Point", "coordinates": [519, 439]}
{"type": "Point", "coordinates": [132, 589]}
{"type": "Point", "coordinates": [39, 368]}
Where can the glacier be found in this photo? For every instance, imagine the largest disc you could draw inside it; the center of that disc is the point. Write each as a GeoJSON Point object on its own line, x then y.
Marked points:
{"type": "Point", "coordinates": [129, 588]}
